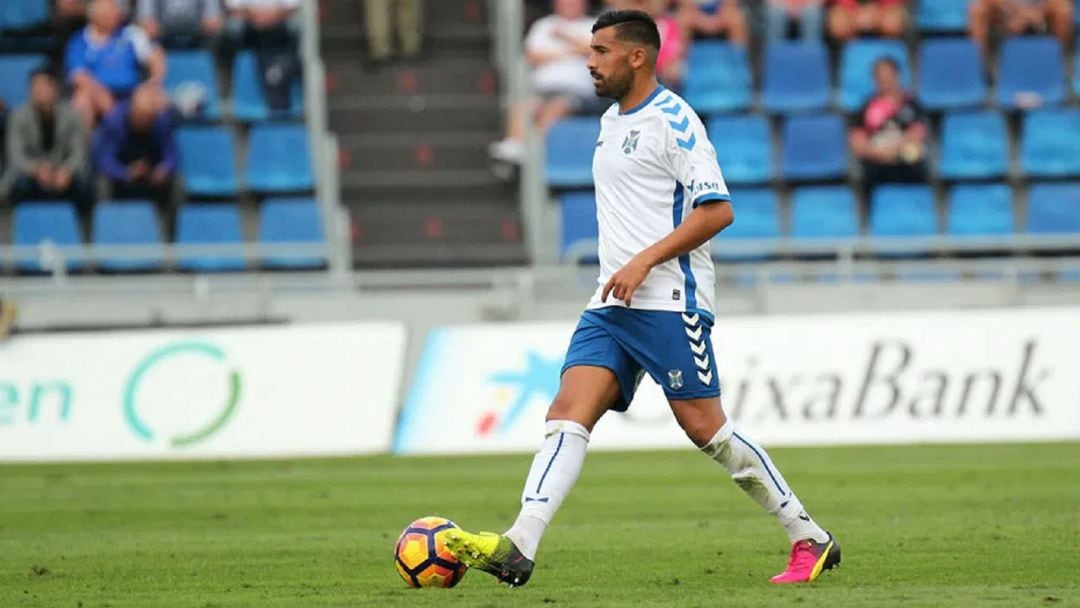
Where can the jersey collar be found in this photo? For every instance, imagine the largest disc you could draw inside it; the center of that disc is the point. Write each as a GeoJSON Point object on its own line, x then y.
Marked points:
{"type": "Point", "coordinates": [659, 89]}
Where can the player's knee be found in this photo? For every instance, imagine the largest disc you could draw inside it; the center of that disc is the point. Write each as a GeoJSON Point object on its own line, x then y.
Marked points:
{"type": "Point", "coordinates": [699, 427]}
{"type": "Point", "coordinates": [561, 409]}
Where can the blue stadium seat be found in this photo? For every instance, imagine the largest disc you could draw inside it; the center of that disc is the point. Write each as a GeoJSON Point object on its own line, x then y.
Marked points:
{"type": "Point", "coordinates": [208, 160]}
{"type": "Point", "coordinates": [1054, 208]}
{"type": "Point", "coordinates": [717, 77]}
{"type": "Point", "coordinates": [796, 77]}
{"type": "Point", "coordinates": [973, 146]}
{"type": "Point", "coordinates": [856, 66]}
{"type": "Point", "coordinates": [1031, 66]}
{"type": "Point", "coordinates": [579, 230]}
{"type": "Point", "coordinates": [35, 223]}
{"type": "Point", "coordinates": [757, 216]}
{"type": "Point", "coordinates": [951, 74]}
{"type": "Point", "coordinates": [744, 148]}
{"type": "Point", "coordinates": [824, 212]}
{"type": "Point", "coordinates": [815, 148]}
{"type": "Point", "coordinates": [570, 146]}
{"type": "Point", "coordinates": [903, 210]}
{"type": "Point", "coordinates": [937, 16]}
{"type": "Point", "coordinates": [249, 103]}
{"type": "Point", "coordinates": [23, 14]}
{"type": "Point", "coordinates": [209, 224]}
{"type": "Point", "coordinates": [279, 159]}
{"type": "Point", "coordinates": [1051, 143]}
{"type": "Point", "coordinates": [291, 220]}
{"type": "Point", "coordinates": [15, 83]}
{"type": "Point", "coordinates": [195, 67]}
{"type": "Point", "coordinates": [981, 210]}
{"type": "Point", "coordinates": [127, 223]}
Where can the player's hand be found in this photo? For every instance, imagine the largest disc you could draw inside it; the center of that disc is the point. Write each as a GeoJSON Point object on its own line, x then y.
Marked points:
{"type": "Point", "coordinates": [627, 279]}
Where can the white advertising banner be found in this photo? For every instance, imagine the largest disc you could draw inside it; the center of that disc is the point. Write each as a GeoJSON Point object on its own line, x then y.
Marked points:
{"type": "Point", "coordinates": [965, 375]}
{"type": "Point", "coordinates": [201, 393]}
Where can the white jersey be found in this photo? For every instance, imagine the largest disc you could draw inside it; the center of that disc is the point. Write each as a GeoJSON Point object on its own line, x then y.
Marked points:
{"type": "Point", "coordinates": [652, 166]}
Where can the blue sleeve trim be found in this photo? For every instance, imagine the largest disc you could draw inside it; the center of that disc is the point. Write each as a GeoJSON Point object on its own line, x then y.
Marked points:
{"type": "Point", "coordinates": [710, 197]}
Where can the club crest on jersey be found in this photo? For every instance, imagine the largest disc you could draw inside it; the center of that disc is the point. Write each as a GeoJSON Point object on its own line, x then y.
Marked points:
{"type": "Point", "coordinates": [674, 379]}
{"type": "Point", "coordinates": [630, 143]}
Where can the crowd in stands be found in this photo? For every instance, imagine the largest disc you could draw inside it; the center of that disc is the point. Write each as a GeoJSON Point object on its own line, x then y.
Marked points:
{"type": "Point", "coordinates": [119, 100]}
{"type": "Point", "coordinates": [897, 99]}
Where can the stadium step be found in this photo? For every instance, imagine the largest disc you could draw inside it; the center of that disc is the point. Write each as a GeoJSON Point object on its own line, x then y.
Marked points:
{"type": "Point", "coordinates": [453, 76]}
{"type": "Point", "coordinates": [417, 113]}
{"type": "Point", "coordinates": [404, 151]}
{"type": "Point", "coordinates": [349, 41]}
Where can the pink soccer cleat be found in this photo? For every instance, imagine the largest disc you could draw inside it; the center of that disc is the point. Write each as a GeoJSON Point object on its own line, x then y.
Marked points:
{"type": "Point", "coordinates": [808, 560]}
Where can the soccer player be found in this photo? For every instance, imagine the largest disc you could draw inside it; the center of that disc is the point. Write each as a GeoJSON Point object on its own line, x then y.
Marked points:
{"type": "Point", "coordinates": [660, 197]}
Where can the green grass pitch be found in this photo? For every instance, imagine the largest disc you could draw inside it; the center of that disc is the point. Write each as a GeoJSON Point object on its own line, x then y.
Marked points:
{"type": "Point", "coordinates": [920, 526]}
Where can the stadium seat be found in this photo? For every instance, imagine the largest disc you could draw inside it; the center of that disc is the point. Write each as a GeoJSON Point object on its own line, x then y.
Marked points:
{"type": "Point", "coordinates": [973, 146]}
{"type": "Point", "coordinates": [856, 64]}
{"type": "Point", "coordinates": [249, 103]}
{"type": "Point", "coordinates": [717, 77]}
{"type": "Point", "coordinates": [208, 160]}
{"type": "Point", "coordinates": [15, 84]}
{"type": "Point", "coordinates": [209, 224]}
{"type": "Point", "coordinates": [570, 146]}
{"type": "Point", "coordinates": [278, 159]}
{"type": "Point", "coordinates": [290, 220]}
{"type": "Point", "coordinates": [1054, 208]}
{"type": "Point", "coordinates": [579, 230]}
{"type": "Point", "coordinates": [796, 77]}
{"type": "Point", "coordinates": [34, 223]}
{"type": "Point", "coordinates": [937, 16]}
{"type": "Point", "coordinates": [187, 68]}
{"type": "Point", "coordinates": [758, 217]}
{"type": "Point", "coordinates": [981, 210]}
{"type": "Point", "coordinates": [1051, 143]}
{"type": "Point", "coordinates": [815, 148]}
{"type": "Point", "coordinates": [951, 74]}
{"type": "Point", "coordinates": [127, 223]}
{"type": "Point", "coordinates": [1032, 72]}
{"type": "Point", "coordinates": [23, 14]}
{"type": "Point", "coordinates": [824, 212]}
{"type": "Point", "coordinates": [902, 210]}
{"type": "Point", "coordinates": [744, 148]}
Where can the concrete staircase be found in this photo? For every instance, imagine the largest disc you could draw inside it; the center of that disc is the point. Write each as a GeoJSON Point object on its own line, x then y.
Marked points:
{"type": "Point", "coordinates": [415, 172]}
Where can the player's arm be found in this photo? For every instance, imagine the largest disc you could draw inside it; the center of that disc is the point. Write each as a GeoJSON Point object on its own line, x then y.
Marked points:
{"type": "Point", "coordinates": [701, 225]}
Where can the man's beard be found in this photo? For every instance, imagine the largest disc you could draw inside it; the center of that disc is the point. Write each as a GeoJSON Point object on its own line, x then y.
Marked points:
{"type": "Point", "coordinates": [612, 88]}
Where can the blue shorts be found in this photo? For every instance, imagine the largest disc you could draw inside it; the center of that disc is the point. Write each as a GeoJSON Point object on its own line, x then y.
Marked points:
{"type": "Point", "coordinates": [673, 347]}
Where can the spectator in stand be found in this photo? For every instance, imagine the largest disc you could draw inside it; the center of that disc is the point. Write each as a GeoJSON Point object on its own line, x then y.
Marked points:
{"type": "Point", "coordinates": [806, 14]}
{"type": "Point", "coordinates": [7, 319]}
{"type": "Point", "coordinates": [890, 139]}
{"type": "Point", "coordinates": [46, 147]}
{"type": "Point", "coordinates": [556, 47]}
{"type": "Point", "coordinates": [715, 18]}
{"type": "Point", "coordinates": [181, 23]}
{"type": "Point", "coordinates": [135, 148]}
{"type": "Point", "coordinates": [1019, 17]}
{"type": "Point", "coordinates": [105, 61]}
{"type": "Point", "coordinates": [848, 19]}
{"type": "Point", "coordinates": [272, 28]}
{"type": "Point", "coordinates": [673, 37]}
{"type": "Point", "coordinates": [382, 16]}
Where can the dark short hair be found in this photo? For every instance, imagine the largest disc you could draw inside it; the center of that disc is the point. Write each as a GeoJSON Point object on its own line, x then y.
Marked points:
{"type": "Point", "coordinates": [42, 70]}
{"type": "Point", "coordinates": [888, 60]}
{"type": "Point", "coordinates": [630, 26]}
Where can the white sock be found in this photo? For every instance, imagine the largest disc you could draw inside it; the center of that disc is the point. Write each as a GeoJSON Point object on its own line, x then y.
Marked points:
{"type": "Point", "coordinates": [755, 473]}
{"type": "Point", "coordinates": [554, 470]}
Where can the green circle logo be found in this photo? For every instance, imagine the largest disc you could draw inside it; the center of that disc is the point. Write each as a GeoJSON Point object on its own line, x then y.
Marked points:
{"type": "Point", "coordinates": [160, 357]}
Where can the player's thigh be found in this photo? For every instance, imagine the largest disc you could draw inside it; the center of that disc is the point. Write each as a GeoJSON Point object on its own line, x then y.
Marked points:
{"type": "Point", "coordinates": [585, 393]}
{"type": "Point", "coordinates": [700, 418]}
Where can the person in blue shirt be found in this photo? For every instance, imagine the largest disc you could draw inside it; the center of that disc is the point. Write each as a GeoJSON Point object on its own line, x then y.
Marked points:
{"type": "Point", "coordinates": [135, 148]}
{"type": "Point", "coordinates": [107, 60]}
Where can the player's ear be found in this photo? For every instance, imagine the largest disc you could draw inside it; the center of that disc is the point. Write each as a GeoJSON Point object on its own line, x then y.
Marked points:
{"type": "Point", "coordinates": [638, 57]}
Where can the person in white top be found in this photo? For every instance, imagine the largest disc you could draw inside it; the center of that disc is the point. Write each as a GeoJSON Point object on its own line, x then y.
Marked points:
{"type": "Point", "coordinates": [660, 198]}
{"type": "Point", "coordinates": [555, 48]}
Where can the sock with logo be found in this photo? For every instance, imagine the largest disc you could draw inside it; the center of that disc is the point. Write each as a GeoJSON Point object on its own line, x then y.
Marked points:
{"type": "Point", "coordinates": [554, 470]}
{"type": "Point", "coordinates": [756, 474]}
